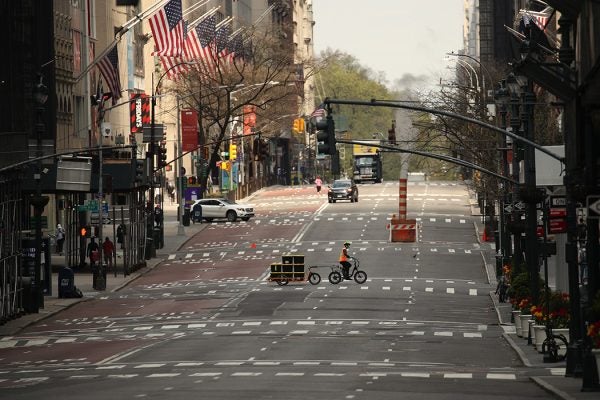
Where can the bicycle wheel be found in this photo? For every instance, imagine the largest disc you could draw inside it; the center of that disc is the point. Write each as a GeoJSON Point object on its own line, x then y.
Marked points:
{"type": "Point", "coordinates": [335, 277]}
{"type": "Point", "coordinates": [555, 347]}
{"type": "Point", "coordinates": [314, 278]}
{"type": "Point", "coordinates": [360, 277]}
{"type": "Point", "coordinates": [283, 282]}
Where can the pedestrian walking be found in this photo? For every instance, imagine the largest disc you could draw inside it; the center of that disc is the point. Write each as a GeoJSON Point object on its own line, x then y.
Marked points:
{"type": "Point", "coordinates": [108, 249]}
{"type": "Point", "coordinates": [158, 215]}
{"type": "Point", "coordinates": [502, 288]}
{"type": "Point", "coordinates": [121, 235]}
{"type": "Point", "coordinates": [60, 238]}
{"type": "Point", "coordinates": [93, 252]}
{"type": "Point", "coordinates": [318, 183]}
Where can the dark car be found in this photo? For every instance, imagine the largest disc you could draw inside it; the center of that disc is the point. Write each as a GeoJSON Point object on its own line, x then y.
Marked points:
{"type": "Point", "coordinates": [343, 189]}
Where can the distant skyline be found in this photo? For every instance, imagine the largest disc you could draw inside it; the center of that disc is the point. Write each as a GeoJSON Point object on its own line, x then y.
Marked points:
{"type": "Point", "coordinates": [402, 39]}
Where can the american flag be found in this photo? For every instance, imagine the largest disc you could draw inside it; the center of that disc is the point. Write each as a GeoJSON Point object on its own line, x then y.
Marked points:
{"type": "Point", "coordinates": [199, 43]}
{"type": "Point", "coordinates": [319, 111]}
{"type": "Point", "coordinates": [175, 66]}
{"type": "Point", "coordinates": [236, 46]}
{"type": "Point", "coordinates": [109, 67]}
{"type": "Point", "coordinates": [168, 29]}
{"type": "Point", "coordinates": [222, 41]}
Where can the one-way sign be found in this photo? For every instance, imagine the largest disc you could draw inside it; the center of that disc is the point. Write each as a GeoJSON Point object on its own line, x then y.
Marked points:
{"type": "Point", "coordinates": [520, 206]}
{"type": "Point", "coordinates": [593, 205]}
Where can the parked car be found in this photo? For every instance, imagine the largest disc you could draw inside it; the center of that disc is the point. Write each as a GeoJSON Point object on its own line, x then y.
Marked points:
{"type": "Point", "coordinates": [342, 189]}
{"type": "Point", "coordinates": [223, 208]}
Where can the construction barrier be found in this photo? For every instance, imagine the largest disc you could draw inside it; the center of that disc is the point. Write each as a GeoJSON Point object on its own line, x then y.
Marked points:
{"type": "Point", "coordinates": [402, 230]}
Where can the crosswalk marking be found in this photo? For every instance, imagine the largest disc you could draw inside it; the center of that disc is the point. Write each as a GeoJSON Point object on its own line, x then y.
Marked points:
{"type": "Point", "coordinates": [458, 376]}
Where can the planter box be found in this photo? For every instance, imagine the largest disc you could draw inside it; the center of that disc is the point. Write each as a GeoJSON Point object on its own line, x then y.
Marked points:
{"type": "Point", "coordinates": [516, 316]}
{"type": "Point", "coordinates": [539, 336]}
{"type": "Point", "coordinates": [524, 325]}
{"type": "Point", "coordinates": [596, 353]}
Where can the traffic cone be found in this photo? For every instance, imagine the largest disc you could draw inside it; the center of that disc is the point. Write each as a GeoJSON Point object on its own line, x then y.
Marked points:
{"type": "Point", "coordinates": [253, 246]}
{"type": "Point", "coordinates": [484, 236]}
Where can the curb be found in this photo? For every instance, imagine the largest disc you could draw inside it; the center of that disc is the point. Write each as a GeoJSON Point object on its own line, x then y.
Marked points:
{"type": "Point", "coordinates": [551, 389]}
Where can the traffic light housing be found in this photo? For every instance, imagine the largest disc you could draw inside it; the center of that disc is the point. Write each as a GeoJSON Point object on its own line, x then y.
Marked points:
{"type": "Point", "coordinates": [264, 150]}
{"type": "Point", "coordinates": [162, 157]}
{"type": "Point", "coordinates": [85, 231]}
{"type": "Point", "coordinates": [232, 151]}
{"type": "Point", "coordinates": [392, 134]}
{"type": "Point", "coordinates": [139, 171]}
{"type": "Point", "coordinates": [326, 135]}
{"type": "Point", "coordinates": [298, 125]}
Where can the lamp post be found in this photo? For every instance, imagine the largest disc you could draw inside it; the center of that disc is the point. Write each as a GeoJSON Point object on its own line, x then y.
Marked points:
{"type": "Point", "coordinates": [152, 152]}
{"type": "Point", "coordinates": [38, 201]}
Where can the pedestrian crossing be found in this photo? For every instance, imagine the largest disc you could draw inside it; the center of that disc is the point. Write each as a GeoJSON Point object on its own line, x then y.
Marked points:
{"type": "Point", "coordinates": [275, 328]}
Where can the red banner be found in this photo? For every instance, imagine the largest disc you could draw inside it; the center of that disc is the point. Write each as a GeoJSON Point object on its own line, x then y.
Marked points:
{"type": "Point", "coordinates": [249, 119]}
{"type": "Point", "coordinates": [139, 112]}
{"type": "Point", "coordinates": [189, 130]}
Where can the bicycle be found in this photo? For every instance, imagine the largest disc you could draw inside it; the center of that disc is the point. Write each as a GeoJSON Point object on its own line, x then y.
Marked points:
{"type": "Point", "coordinates": [554, 346]}
{"type": "Point", "coordinates": [359, 276]}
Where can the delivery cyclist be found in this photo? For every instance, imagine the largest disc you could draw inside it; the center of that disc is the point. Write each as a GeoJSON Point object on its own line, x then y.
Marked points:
{"type": "Point", "coordinates": [344, 260]}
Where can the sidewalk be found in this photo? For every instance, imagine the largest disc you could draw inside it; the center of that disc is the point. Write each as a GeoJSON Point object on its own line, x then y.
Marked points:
{"type": "Point", "coordinates": [83, 279]}
{"type": "Point", "coordinates": [558, 385]}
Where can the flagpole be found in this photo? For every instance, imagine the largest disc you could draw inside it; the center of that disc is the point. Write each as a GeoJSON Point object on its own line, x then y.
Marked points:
{"type": "Point", "coordinates": [128, 25]}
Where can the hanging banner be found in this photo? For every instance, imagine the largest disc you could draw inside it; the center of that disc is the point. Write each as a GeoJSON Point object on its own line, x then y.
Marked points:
{"type": "Point", "coordinates": [139, 112]}
{"type": "Point", "coordinates": [249, 119]}
{"type": "Point", "coordinates": [189, 130]}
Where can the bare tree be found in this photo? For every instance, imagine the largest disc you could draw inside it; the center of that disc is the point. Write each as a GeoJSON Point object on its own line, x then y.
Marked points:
{"type": "Point", "coordinates": [261, 74]}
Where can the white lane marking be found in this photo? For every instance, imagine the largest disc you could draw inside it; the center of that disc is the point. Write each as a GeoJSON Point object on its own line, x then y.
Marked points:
{"type": "Point", "coordinates": [164, 375]}
{"type": "Point", "coordinates": [472, 335]}
{"type": "Point", "coordinates": [414, 374]}
{"type": "Point", "coordinates": [472, 292]}
{"type": "Point", "coordinates": [206, 374]}
{"type": "Point", "coordinates": [149, 366]}
{"type": "Point", "coordinates": [194, 326]}
{"type": "Point", "coordinates": [429, 289]}
{"type": "Point", "coordinates": [501, 376]}
{"type": "Point", "coordinates": [189, 255]}
{"type": "Point", "coordinates": [443, 333]}
{"type": "Point", "coordinates": [458, 376]}
{"type": "Point", "coordinates": [406, 288]}
{"type": "Point", "coordinates": [450, 290]}
{"type": "Point", "coordinates": [172, 256]}
{"type": "Point", "coordinates": [417, 333]}
{"type": "Point", "coordinates": [289, 374]}
{"type": "Point", "coordinates": [246, 374]}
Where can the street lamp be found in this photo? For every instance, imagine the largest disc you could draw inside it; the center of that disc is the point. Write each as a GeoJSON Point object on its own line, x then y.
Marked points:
{"type": "Point", "coordinates": [152, 152]}
{"type": "Point", "coordinates": [40, 94]}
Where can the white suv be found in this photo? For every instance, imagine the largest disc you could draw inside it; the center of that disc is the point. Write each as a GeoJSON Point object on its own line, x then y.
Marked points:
{"type": "Point", "coordinates": [223, 208]}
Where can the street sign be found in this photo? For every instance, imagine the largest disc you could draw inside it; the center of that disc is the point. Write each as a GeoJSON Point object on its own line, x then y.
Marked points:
{"type": "Point", "coordinates": [558, 201]}
{"type": "Point", "coordinates": [520, 206]}
{"type": "Point", "coordinates": [558, 212]}
{"type": "Point", "coordinates": [558, 225]}
{"type": "Point", "coordinates": [593, 205]}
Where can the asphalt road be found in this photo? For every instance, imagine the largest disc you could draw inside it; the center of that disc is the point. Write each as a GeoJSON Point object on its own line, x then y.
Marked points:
{"type": "Point", "coordinates": [207, 322]}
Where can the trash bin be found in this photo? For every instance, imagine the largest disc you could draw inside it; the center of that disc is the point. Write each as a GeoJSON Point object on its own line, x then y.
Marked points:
{"type": "Point", "coordinates": [66, 283]}
{"type": "Point", "coordinates": [150, 249]}
{"type": "Point", "coordinates": [158, 238]}
{"type": "Point", "coordinates": [186, 217]}
{"type": "Point", "coordinates": [99, 277]}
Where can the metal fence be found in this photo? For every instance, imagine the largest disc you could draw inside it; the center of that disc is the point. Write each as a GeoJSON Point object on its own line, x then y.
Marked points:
{"type": "Point", "coordinates": [11, 220]}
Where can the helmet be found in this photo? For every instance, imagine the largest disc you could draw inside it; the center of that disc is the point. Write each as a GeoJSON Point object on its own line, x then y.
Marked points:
{"type": "Point", "coordinates": [347, 243]}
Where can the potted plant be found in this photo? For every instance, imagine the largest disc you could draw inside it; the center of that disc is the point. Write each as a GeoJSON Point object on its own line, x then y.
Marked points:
{"type": "Point", "coordinates": [539, 328]}
{"type": "Point", "coordinates": [593, 330]}
{"type": "Point", "coordinates": [519, 297]}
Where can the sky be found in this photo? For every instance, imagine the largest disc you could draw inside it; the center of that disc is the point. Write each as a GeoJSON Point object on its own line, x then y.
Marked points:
{"type": "Point", "coordinates": [397, 37]}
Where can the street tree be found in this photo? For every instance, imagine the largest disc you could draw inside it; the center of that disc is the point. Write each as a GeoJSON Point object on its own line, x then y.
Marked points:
{"type": "Point", "coordinates": [253, 71]}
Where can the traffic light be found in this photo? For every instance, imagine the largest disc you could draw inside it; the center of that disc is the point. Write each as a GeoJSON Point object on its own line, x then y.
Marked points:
{"type": "Point", "coordinates": [162, 157]}
{"type": "Point", "coordinates": [392, 134]}
{"type": "Point", "coordinates": [232, 151]}
{"type": "Point", "coordinates": [85, 231]}
{"type": "Point", "coordinates": [264, 150]}
{"type": "Point", "coordinates": [202, 168]}
{"type": "Point", "coordinates": [326, 135]}
{"type": "Point", "coordinates": [225, 155]}
{"type": "Point", "coordinates": [298, 125]}
{"type": "Point", "coordinates": [139, 171]}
